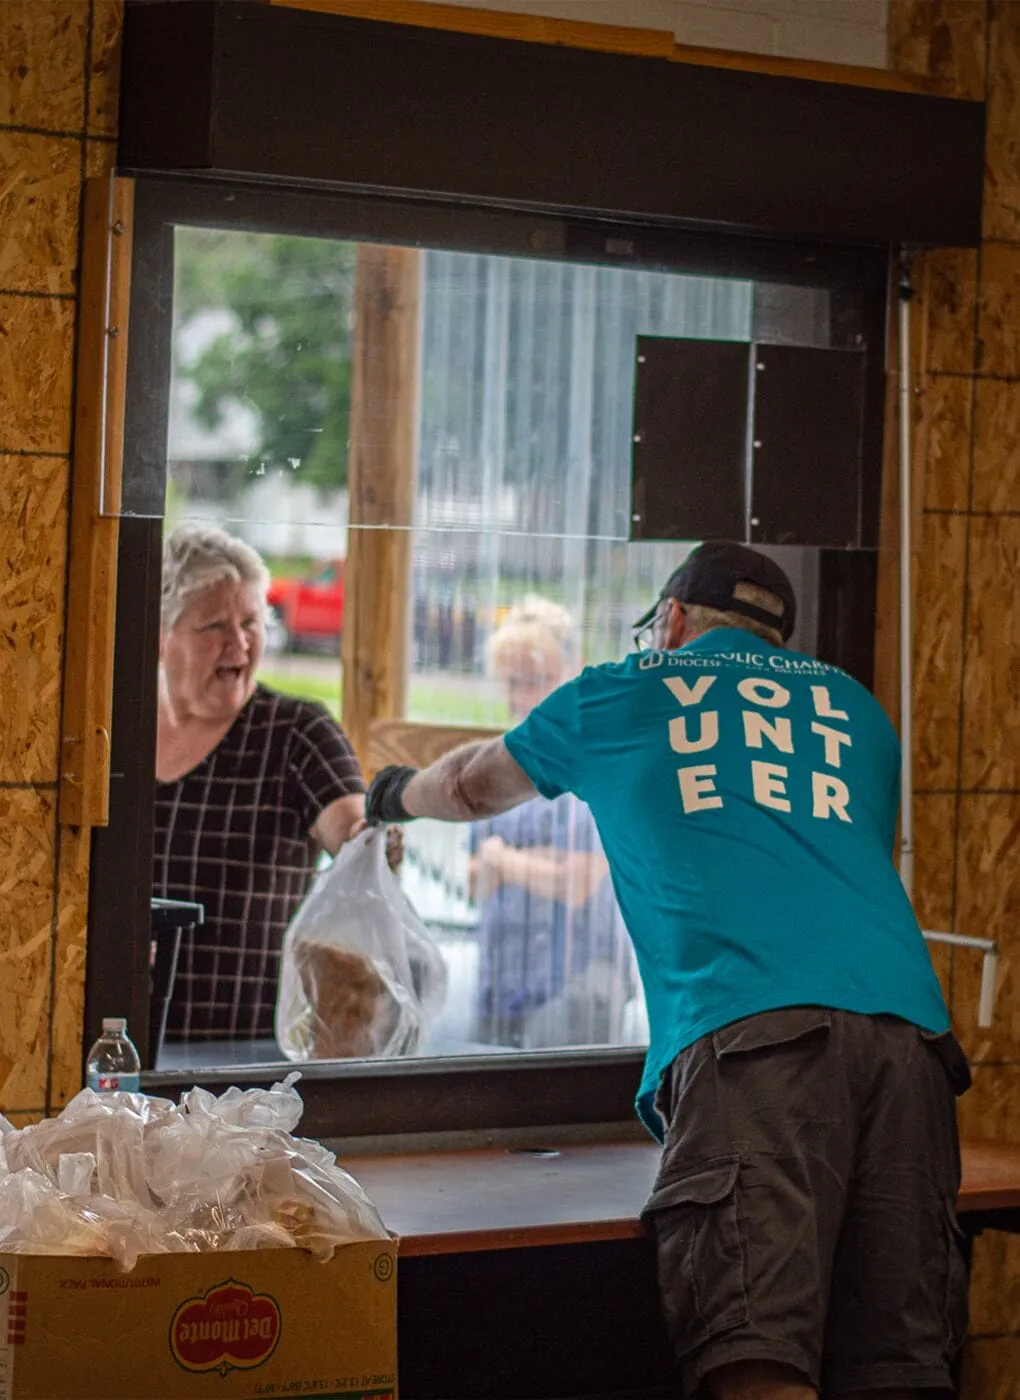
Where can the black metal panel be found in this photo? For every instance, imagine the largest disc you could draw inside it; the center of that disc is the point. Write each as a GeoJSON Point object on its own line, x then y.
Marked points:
{"type": "Point", "coordinates": [847, 592]}
{"type": "Point", "coordinates": [560, 1321]}
{"type": "Point", "coordinates": [150, 329]}
{"type": "Point", "coordinates": [380, 1098]}
{"type": "Point", "coordinates": [296, 96]}
{"type": "Point", "coordinates": [806, 460]}
{"type": "Point", "coordinates": [690, 439]}
{"type": "Point", "coordinates": [120, 868]}
{"type": "Point", "coordinates": [170, 53]}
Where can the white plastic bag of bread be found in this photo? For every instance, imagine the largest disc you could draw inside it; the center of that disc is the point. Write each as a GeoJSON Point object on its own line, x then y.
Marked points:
{"type": "Point", "coordinates": [360, 976]}
{"type": "Point", "coordinates": [120, 1175]}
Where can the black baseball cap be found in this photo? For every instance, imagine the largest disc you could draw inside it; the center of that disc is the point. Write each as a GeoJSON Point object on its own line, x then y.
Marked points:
{"type": "Point", "coordinates": [710, 575]}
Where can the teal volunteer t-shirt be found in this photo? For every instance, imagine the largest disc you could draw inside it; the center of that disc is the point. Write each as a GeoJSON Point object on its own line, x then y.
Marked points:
{"type": "Point", "coordinates": [746, 799]}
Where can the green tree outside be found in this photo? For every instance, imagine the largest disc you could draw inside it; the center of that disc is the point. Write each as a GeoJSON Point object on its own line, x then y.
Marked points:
{"type": "Point", "coordinates": [289, 358]}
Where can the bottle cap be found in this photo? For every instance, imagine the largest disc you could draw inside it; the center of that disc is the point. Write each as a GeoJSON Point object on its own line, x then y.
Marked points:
{"type": "Point", "coordinates": [114, 1023]}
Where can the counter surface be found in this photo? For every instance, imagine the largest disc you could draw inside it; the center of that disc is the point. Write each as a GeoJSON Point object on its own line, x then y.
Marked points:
{"type": "Point", "coordinates": [460, 1202]}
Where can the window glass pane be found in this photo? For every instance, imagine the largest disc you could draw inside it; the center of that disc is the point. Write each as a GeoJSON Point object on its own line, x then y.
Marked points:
{"type": "Point", "coordinates": [521, 568]}
{"type": "Point", "coordinates": [524, 466]}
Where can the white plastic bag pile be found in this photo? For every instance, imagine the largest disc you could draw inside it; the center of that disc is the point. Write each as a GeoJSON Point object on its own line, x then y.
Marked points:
{"type": "Point", "coordinates": [120, 1175]}
{"type": "Point", "coordinates": [360, 974]}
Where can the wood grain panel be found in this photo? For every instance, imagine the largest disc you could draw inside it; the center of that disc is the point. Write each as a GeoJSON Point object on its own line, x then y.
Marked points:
{"type": "Point", "coordinates": [995, 1283]}
{"type": "Point", "coordinates": [384, 408]}
{"type": "Point", "coordinates": [948, 411]}
{"type": "Point", "coordinates": [988, 906]}
{"type": "Point", "coordinates": [39, 186]}
{"type": "Point", "coordinates": [403, 741]}
{"type": "Point", "coordinates": [36, 354]}
{"type": "Point", "coordinates": [458, 1202]}
{"type": "Point", "coordinates": [999, 309]}
{"type": "Point", "coordinates": [938, 581]}
{"type": "Point", "coordinates": [443, 1202]}
{"type": "Point", "coordinates": [934, 836]}
{"type": "Point", "coordinates": [946, 279]}
{"type": "Point", "coordinates": [991, 680]}
{"type": "Point", "coordinates": [939, 570]}
{"type": "Point", "coordinates": [991, 1366]}
{"type": "Point", "coordinates": [100, 158]}
{"type": "Point", "coordinates": [69, 967]}
{"type": "Point", "coordinates": [942, 39]}
{"type": "Point", "coordinates": [991, 1107]}
{"type": "Point", "coordinates": [1001, 214]}
{"type": "Point", "coordinates": [997, 445]}
{"type": "Point", "coordinates": [104, 75]}
{"type": "Point", "coordinates": [27, 845]}
{"type": "Point", "coordinates": [33, 534]}
{"type": "Point", "coordinates": [42, 63]}
{"type": "Point", "coordinates": [98, 459]}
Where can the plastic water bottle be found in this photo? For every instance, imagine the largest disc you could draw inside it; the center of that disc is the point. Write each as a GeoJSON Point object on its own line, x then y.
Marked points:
{"type": "Point", "coordinates": [113, 1064]}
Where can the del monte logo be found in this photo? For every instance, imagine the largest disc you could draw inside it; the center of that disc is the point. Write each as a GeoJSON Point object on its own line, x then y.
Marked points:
{"type": "Point", "coordinates": [229, 1327]}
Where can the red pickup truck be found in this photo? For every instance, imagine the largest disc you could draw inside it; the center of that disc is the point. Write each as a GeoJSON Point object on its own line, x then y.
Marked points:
{"type": "Point", "coordinates": [306, 611]}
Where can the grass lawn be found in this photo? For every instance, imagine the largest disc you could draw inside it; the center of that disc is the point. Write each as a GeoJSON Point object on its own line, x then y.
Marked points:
{"type": "Point", "coordinates": [429, 702]}
{"type": "Point", "coordinates": [330, 692]}
{"type": "Point", "coordinates": [436, 704]}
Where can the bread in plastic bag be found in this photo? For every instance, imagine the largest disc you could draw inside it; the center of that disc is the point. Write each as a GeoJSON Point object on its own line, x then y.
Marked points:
{"type": "Point", "coordinates": [120, 1175]}
{"type": "Point", "coordinates": [360, 976]}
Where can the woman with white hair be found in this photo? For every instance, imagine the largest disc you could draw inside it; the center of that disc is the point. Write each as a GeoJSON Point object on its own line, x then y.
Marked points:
{"type": "Point", "coordinates": [555, 964]}
{"type": "Point", "coordinates": [251, 786]}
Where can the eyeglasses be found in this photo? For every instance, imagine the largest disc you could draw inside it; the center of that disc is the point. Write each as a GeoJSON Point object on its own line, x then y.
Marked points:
{"type": "Point", "coordinates": [644, 636]}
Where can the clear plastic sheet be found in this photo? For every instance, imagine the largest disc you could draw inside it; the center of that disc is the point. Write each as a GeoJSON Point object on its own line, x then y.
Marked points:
{"type": "Point", "coordinates": [360, 975]}
{"type": "Point", "coordinates": [121, 1175]}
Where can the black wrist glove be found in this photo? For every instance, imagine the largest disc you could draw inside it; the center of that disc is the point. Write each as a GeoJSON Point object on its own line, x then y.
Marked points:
{"type": "Point", "coordinates": [384, 801]}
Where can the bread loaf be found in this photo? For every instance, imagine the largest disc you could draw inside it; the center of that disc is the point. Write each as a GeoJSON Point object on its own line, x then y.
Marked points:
{"type": "Point", "coordinates": [352, 1008]}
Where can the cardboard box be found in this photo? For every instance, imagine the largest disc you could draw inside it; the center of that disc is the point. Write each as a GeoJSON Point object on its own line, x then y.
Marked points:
{"type": "Point", "coordinates": [266, 1323]}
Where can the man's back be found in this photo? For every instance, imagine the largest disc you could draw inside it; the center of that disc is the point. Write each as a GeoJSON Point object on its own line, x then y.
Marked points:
{"type": "Point", "coordinates": [801, 1074]}
{"type": "Point", "coordinates": [746, 797]}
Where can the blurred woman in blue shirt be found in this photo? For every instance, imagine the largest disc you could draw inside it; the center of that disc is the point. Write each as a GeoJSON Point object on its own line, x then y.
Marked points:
{"type": "Point", "coordinates": [556, 967]}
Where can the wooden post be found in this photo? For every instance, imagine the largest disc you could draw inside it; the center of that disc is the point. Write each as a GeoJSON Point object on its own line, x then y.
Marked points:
{"type": "Point", "coordinates": [381, 481]}
{"type": "Point", "coordinates": [95, 502]}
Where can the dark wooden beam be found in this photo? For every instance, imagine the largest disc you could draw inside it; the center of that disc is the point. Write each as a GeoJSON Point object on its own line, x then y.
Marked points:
{"type": "Point", "coordinates": [270, 93]}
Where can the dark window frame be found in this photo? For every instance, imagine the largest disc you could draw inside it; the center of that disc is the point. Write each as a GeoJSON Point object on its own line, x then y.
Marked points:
{"type": "Point", "coordinates": [457, 1095]}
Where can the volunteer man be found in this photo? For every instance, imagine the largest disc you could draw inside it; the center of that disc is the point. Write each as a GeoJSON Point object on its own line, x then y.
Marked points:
{"type": "Point", "coordinates": [801, 1072]}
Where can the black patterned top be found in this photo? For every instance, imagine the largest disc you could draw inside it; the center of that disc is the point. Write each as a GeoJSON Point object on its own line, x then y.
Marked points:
{"type": "Point", "coordinates": [233, 835]}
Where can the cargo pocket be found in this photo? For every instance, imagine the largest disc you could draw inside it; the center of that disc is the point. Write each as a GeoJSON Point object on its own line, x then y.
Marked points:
{"type": "Point", "coordinates": [957, 1284]}
{"type": "Point", "coordinates": [770, 1029]}
{"type": "Point", "coordinates": [693, 1214]}
{"type": "Point", "coordinates": [948, 1051]}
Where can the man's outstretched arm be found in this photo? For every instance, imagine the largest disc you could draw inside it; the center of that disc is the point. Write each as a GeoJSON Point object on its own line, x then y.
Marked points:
{"type": "Point", "coordinates": [474, 781]}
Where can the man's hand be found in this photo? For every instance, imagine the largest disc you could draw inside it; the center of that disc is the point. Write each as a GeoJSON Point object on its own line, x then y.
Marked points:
{"type": "Point", "coordinates": [394, 843]}
{"type": "Point", "coordinates": [384, 799]}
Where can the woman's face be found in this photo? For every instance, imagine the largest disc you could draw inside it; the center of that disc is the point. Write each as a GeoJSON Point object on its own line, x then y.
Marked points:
{"type": "Point", "coordinates": [527, 677]}
{"type": "Point", "coordinates": [213, 650]}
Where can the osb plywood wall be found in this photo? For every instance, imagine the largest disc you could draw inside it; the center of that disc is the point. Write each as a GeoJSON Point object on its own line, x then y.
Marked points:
{"type": "Point", "coordinates": [967, 654]}
{"type": "Point", "coordinates": [58, 78]}
{"type": "Point", "coordinates": [59, 64]}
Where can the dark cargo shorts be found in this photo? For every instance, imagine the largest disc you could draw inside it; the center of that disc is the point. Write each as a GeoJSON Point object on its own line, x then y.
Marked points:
{"type": "Point", "coordinates": [804, 1210]}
